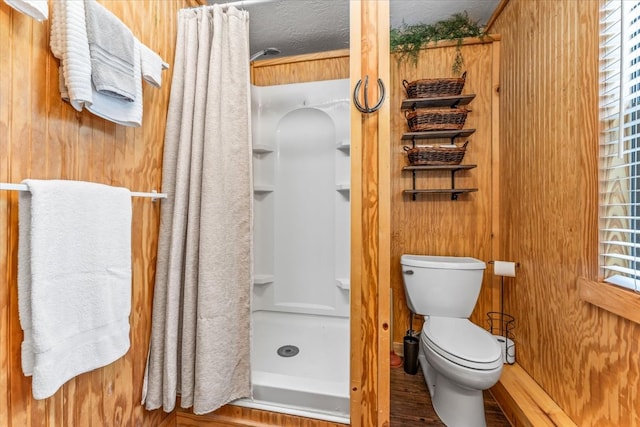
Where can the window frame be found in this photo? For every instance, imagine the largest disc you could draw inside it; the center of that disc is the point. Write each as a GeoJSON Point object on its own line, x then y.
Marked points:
{"type": "Point", "coordinates": [614, 298]}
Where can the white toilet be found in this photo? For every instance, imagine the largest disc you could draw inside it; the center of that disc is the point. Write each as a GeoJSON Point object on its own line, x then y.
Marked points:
{"type": "Point", "coordinates": [458, 358]}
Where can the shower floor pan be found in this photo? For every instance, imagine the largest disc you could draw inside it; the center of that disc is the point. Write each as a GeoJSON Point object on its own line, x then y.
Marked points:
{"type": "Point", "coordinates": [312, 383]}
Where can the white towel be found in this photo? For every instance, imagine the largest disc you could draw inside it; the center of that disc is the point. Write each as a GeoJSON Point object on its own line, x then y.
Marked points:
{"type": "Point", "coordinates": [111, 46]}
{"type": "Point", "coordinates": [37, 9]}
{"type": "Point", "coordinates": [70, 44]}
{"type": "Point", "coordinates": [117, 110]}
{"type": "Point", "coordinates": [74, 279]}
{"type": "Point", "coordinates": [151, 65]}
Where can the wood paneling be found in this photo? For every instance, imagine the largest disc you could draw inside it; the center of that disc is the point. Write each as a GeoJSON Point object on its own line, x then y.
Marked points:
{"type": "Point", "coordinates": [301, 68]}
{"type": "Point", "coordinates": [43, 137]}
{"type": "Point", "coordinates": [583, 357]}
{"type": "Point", "coordinates": [436, 225]}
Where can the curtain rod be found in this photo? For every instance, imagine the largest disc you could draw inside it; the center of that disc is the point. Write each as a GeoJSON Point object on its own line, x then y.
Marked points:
{"type": "Point", "coordinates": [23, 187]}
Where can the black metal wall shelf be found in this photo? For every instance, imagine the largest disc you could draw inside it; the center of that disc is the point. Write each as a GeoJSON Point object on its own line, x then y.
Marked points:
{"type": "Point", "coordinates": [439, 102]}
{"type": "Point", "coordinates": [444, 101]}
{"type": "Point", "coordinates": [453, 190]}
{"type": "Point", "coordinates": [435, 134]}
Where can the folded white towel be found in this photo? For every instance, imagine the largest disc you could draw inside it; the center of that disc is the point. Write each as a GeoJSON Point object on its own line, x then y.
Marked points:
{"type": "Point", "coordinates": [37, 9]}
{"type": "Point", "coordinates": [117, 110]}
{"type": "Point", "coordinates": [111, 46]}
{"type": "Point", "coordinates": [69, 43]}
{"type": "Point", "coordinates": [74, 279]}
{"type": "Point", "coordinates": [152, 66]}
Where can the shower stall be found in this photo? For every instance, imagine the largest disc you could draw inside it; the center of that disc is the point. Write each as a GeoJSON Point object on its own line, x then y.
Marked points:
{"type": "Point", "coordinates": [301, 175]}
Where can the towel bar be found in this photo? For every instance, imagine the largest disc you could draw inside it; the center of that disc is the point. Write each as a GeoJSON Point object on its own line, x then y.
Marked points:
{"type": "Point", "coordinates": [23, 187]}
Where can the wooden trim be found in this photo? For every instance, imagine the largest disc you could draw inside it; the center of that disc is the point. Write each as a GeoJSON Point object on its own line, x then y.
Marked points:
{"type": "Point", "coordinates": [489, 38]}
{"type": "Point", "coordinates": [356, 221]}
{"type": "Point", "coordinates": [384, 220]}
{"type": "Point", "coordinates": [619, 301]}
{"type": "Point", "coordinates": [524, 402]}
{"type": "Point", "coordinates": [331, 65]}
{"type": "Point", "coordinates": [370, 219]}
{"type": "Point", "coordinates": [236, 416]}
{"type": "Point", "coordinates": [495, 172]}
{"type": "Point", "coordinates": [301, 58]}
{"type": "Point", "coordinates": [496, 13]}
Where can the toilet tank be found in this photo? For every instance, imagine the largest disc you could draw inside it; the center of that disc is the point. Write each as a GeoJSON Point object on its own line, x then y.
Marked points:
{"type": "Point", "coordinates": [442, 286]}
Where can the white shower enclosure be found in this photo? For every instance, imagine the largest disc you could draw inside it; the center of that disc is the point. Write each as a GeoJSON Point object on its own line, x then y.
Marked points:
{"type": "Point", "coordinates": [301, 166]}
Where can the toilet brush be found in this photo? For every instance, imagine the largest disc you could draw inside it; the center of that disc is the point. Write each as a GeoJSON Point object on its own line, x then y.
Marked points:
{"type": "Point", "coordinates": [410, 331]}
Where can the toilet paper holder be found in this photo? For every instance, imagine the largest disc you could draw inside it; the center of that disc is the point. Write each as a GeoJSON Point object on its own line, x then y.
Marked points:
{"type": "Point", "coordinates": [501, 325]}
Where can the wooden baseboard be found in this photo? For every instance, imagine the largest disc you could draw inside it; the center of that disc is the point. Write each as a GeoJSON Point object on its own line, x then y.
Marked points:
{"type": "Point", "coordinates": [525, 403]}
{"type": "Point", "coordinates": [238, 416]}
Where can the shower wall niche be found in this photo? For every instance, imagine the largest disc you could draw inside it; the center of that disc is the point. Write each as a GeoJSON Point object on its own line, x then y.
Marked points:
{"type": "Point", "coordinates": [301, 193]}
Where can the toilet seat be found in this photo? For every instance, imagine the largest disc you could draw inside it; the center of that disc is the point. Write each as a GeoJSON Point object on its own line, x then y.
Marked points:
{"type": "Point", "coordinates": [462, 342]}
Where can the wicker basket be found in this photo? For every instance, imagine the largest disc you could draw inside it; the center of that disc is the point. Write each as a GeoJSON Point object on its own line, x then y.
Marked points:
{"type": "Point", "coordinates": [435, 88]}
{"type": "Point", "coordinates": [436, 119]}
{"type": "Point", "coordinates": [436, 155]}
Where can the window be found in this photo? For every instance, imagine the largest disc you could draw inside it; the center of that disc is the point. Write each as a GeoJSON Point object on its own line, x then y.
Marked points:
{"type": "Point", "coordinates": [620, 143]}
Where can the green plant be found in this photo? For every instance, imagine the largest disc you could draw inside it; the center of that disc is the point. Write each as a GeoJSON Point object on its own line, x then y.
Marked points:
{"type": "Point", "coordinates": [409, 39]}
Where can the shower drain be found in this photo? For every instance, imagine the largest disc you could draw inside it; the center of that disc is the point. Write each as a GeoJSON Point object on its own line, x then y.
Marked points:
{"type": "Point", "coordinates": [288, 351]}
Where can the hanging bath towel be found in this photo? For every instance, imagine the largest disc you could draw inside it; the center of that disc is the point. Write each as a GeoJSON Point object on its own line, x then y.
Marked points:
{"type": "Point", "coordinates": [74, 279]}
{"type": "Point", "coordinates": [37, 9]}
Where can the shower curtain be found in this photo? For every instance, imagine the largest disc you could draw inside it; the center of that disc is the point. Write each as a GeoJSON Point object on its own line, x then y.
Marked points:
{"type": "Point", "coordinates": [200, 334]}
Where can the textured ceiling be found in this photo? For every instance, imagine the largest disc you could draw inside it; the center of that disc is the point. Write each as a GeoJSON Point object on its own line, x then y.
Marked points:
{"type": "Point", "coordinates": [308, 26]}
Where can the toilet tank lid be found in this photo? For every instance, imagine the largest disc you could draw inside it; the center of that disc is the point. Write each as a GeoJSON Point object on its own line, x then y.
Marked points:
{"type": "Point", "coordinates": [443, 262]}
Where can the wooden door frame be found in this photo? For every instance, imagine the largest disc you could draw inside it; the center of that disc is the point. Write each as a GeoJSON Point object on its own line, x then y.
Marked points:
{"type": "Point", "coordinates": [370, 218]}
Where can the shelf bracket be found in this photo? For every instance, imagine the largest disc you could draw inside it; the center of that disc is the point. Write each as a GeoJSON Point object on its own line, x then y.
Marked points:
{"type": "Point", "coordinates": [413, 173]}
{"type": "Point", "coordinates": [454, 196]}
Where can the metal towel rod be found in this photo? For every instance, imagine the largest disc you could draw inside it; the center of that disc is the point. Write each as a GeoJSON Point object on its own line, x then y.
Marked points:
{"type": "Point", "coordinates": [23, 187]}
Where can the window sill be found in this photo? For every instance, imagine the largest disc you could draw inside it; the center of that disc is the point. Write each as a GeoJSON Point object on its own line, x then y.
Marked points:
{"type": "Point", "coordinates": [622, 302]}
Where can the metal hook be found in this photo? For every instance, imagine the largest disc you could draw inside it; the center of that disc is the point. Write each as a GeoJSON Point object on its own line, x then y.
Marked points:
{"type": "Point", "coordinates": [366, 108]}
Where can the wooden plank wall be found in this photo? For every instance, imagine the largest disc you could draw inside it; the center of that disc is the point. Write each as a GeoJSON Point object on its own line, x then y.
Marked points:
{"type": "Point", "coordinates": [584, 357]}
{"type": "Point", "coordinates": [301, 68]}
{"type": "Point", "coordinates": [43, 137]}
{"type": "Point", "coordinates": [268, 72]}
{"type": "Point", "coordinates": [434, 224]}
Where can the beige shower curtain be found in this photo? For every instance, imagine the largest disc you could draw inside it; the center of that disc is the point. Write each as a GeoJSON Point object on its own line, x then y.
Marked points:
{"type": "Point", "coordinates": [200, 337]}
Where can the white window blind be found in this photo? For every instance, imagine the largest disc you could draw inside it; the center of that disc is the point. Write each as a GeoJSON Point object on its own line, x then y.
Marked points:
{"type": "Point", "coordinates": [620, 143]}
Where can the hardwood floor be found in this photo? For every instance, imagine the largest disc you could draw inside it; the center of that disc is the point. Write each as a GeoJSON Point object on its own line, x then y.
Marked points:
{"type": "Point", "coordinates": [411, 403]}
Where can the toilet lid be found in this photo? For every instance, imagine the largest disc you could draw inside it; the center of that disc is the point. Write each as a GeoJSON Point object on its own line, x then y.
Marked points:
{"type": "Point", "coordinates": [462, 342]}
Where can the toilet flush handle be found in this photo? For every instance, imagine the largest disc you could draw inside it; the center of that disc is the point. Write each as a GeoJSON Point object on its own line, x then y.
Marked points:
{"type": "Point", "coordinates": [408, 272]}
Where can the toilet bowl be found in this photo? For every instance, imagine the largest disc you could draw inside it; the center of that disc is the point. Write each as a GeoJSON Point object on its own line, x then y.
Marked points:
{"type": "Point", "coordinates": [458, 358]}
